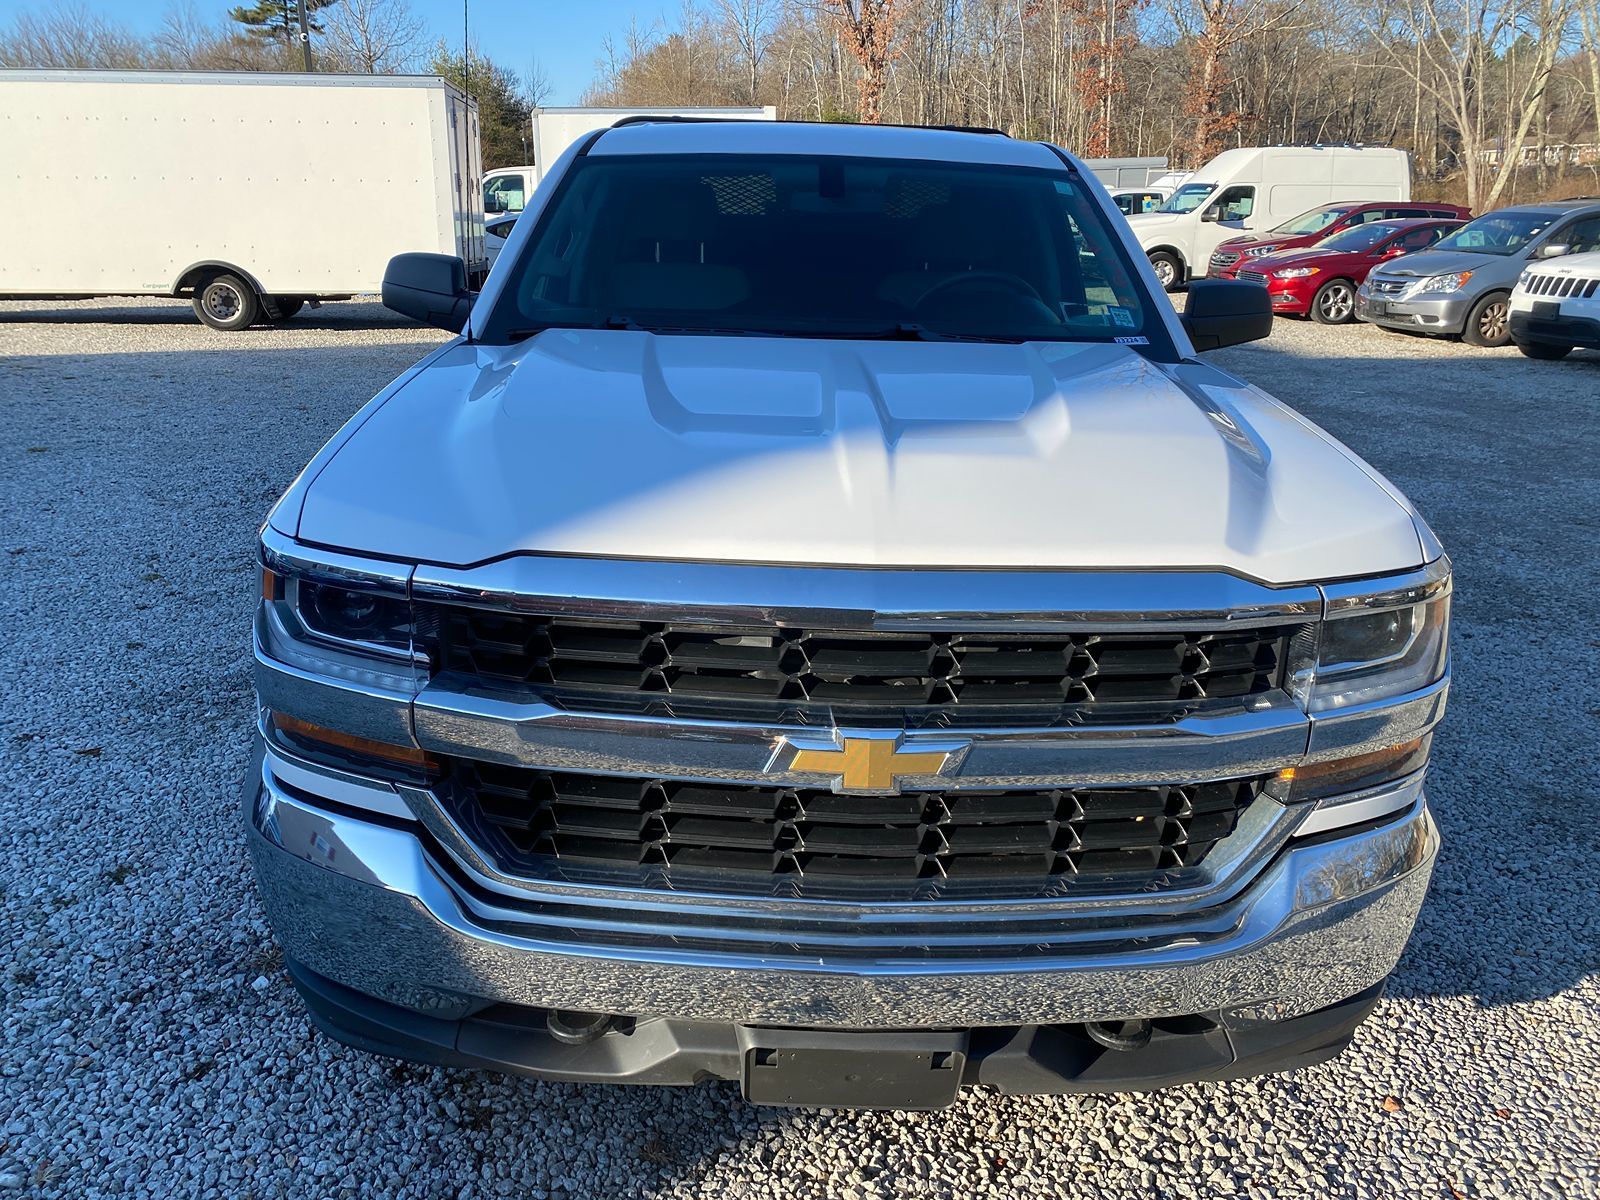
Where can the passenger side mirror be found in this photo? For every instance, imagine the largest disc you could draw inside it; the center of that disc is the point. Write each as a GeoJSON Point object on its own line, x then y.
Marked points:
{"type": "Point", "coordinates": [1552, 250]}
{"type": "Point", "coordinates": [1214, 213]}
{"type": "Point", "coordinates": [431, 288]}
{"type": "Point", "coordinates": [1225, 312]}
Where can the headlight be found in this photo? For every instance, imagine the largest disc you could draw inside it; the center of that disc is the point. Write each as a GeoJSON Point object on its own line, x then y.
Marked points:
{"type": "Point", "coordinates": [1445, 283]}
{"type": "Point", "coordinates": [1375, 647]}
{"type": "Point", "coordinates": [344, 618]}
{"type": "Point", "coordinates": [1522, 280]}
{"type": "Point", "coordinates": [1258, 251]}
{"type": "Point", "coordinates": [1296, 272]}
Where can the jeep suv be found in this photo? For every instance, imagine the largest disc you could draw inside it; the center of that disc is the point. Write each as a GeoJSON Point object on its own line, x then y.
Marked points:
{"type": "Point", "coordinates": [1462, 286]}
{"type": "Point", "coordinates": [820, 626]}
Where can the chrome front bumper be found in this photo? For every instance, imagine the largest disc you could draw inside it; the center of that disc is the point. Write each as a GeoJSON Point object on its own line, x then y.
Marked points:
{"type": "Point", "coordinates": [374, 904]}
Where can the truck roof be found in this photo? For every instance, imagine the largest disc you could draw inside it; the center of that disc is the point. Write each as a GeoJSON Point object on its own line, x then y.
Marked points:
{"type": "Point", "coordinates": [806, 137]}
{"type": "Point", "coordinates": [231, 78]}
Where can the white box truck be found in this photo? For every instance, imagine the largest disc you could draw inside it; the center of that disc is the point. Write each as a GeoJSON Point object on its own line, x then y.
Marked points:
{"type": "Point", "coordinates": [250, 194]}
{"type": "Point", "coordinates": [1256, 188]}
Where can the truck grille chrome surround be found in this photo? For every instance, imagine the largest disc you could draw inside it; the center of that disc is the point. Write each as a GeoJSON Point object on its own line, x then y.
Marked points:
{"type": "Point", "coordinates": [663, 834]}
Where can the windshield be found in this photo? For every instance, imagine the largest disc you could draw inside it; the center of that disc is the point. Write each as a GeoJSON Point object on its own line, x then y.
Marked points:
{"type": "Point", "coordinates": [1314, 221]}
{"type": "Point", "coordinates": [1188, 198]}
{"type": "Point", "coordinates": [799, 245]}
{"type": "Point", "coordinates": [1357, 237]}
{"type": "Point", "coordinates": [1499, 233]}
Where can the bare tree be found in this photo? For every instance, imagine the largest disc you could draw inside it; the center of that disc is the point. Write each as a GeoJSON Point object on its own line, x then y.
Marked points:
{"type": "Point", "coordinates": [1449, 48]}
{"type": "Point", "coordinates": [749, 23]}
{"type": "Point", "coordinates": [373, 37]}
{"type": "Point", "coordinates": [69, 35]}
{"type": "Point", "coordinates": [1222, 27]}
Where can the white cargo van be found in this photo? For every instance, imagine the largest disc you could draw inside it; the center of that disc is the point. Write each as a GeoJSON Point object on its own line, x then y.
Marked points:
{"type": "Point", "coordinates": [1256, 188]}
{"type": "Point", "coordinates": [250, 194]}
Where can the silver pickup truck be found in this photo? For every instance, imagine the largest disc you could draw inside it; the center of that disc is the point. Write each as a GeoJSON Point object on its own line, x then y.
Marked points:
{"type": "Point", "coordinates": [819, 626]}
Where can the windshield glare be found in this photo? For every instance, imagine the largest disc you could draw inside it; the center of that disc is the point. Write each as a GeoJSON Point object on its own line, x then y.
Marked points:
{"type": "Point", "coordinates": [1314, 221]}
{"type": "Point", "coordinates": [1499, 233]}
{"type": "Point", "coordinates": [1357, 237]}
{"type": "Point", "coordinates": [800, 245]}
{"type": "Point", "coordinates": [1188, 198]}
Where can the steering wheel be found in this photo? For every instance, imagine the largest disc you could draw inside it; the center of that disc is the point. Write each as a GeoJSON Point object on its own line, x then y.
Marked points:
{"type": "Point", "coordinates": [1015, 282]}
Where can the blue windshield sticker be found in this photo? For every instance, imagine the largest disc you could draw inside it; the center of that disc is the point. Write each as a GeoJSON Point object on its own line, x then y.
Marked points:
{"type": "Point", "coordinates": [1121, 316]}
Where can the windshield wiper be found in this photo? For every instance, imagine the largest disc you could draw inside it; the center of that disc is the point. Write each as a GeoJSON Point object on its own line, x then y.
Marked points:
{"type": "Point", "coordinates": [628, 323]}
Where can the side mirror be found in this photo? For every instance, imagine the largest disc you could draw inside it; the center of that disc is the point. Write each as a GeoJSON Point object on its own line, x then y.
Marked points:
{"type": "Point", "coordinates": [1226, 312]}
{"type": "Point", "coordinates": [1552, 250]}
{"type": "Point", "coordinates": [431, 288]}
{"type": "Point", "coordinates": [1394, 252]}
{"type": "Point", "coordinates": [1214, 213]}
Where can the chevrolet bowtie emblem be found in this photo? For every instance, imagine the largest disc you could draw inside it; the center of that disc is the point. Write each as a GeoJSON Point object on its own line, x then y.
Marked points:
{"type": "Point", "coordinates": [865, 762]}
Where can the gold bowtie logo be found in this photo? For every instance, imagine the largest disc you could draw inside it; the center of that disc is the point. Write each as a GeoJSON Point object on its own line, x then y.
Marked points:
{"type": "Point", "coordinates": [867, 762]}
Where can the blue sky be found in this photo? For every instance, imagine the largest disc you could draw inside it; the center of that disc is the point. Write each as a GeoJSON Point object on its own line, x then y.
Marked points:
{"type": "Point", "coordinates": [564, 36]}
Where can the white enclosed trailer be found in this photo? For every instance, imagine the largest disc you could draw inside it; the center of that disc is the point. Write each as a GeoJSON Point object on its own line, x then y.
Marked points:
{"type": "Point", "coordinates": [248, 193]}
{"type": "Point", "coordinates": [554, 129]}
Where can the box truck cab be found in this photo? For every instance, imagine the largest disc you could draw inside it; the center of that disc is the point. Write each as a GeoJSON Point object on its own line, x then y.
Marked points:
{"type": "Point", "coordinates": [1257, 188]}
{"type": "Point", "coordinates": [507, 189]}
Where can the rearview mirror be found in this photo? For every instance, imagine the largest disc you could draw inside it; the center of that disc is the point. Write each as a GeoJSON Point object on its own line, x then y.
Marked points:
{"type": "Point", "coordinates": [1214, 213]}
{"type": "Point", "coordinates": [431, 288]}
{"type": "Point", "coordinates": [1226, 312]}
{"type": "Point", "coordinates": [1552, 250]}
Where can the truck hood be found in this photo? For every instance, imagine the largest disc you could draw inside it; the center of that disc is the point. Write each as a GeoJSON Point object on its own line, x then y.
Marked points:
{"type": "Point", "coordinates": [788, 450]}
{"type": "Point", "coordinates": [1154, 225]}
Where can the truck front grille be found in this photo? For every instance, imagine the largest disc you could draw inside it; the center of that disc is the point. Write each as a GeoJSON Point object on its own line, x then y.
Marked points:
{"type": "Point", "coordinates": [764, 840]}
{"type": "Point", "coordinates": [778, 673]}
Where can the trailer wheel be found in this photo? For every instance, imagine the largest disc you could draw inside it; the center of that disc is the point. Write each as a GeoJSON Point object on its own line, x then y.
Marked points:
{"type": "Point", "coordinates": [287, 306]}
{"type": "Point", "coordinates": [226, 302]}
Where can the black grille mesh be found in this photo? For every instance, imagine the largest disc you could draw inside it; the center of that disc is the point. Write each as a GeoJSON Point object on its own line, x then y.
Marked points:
{"type": "Point", "coordinates": [661, 834]}
{"type": "Point", "coordinates": [608, 665]}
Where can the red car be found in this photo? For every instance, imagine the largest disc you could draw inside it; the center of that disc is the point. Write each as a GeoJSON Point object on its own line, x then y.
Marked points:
{"type": "Point", "coordinates": [1311, 227]}
{"type": "Point", "coordinates": [1322, 280]}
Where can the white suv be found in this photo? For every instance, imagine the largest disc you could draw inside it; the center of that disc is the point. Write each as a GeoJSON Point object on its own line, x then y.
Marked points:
{"type": "Point", "coordinates": [1556, 306]}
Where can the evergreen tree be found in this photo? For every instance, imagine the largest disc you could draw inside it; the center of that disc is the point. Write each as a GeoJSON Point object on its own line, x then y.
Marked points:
{"type": "Point", "coordinates": [503, 104]}
{"type": "Point", "coordinates": [270, 20]}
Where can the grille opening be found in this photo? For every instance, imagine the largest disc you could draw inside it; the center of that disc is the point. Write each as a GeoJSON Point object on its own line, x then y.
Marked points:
{"type": "Point", "coordinates": [777, 672]}
{"type": "Point", "coordinates": [662, 834]}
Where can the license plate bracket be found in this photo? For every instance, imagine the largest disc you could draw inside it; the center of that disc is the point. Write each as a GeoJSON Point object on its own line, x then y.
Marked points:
{"type": "Point", "coordinates": [1546, 310]}
{"type": "Point", "coordinates": [1377, 308]}
{"type": "Point", "coordinates": [854, 1069]}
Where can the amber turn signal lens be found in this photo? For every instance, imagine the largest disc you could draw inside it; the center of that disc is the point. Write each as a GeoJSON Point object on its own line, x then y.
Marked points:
{"type": "Point", "coordinates": [305, 731]}
{"type": "Point", "coordinates": [1356, 772]}
{"type": "Point", "coordinates": [271, 585]}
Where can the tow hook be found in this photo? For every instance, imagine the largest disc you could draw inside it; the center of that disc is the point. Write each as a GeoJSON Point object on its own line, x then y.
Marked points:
{"type": "Point", "coordinates": [1119, 1035]}
{"type": "Point", "coordinates": [575, 1028]}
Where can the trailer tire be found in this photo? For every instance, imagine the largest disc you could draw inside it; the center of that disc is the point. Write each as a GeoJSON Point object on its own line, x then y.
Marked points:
{"type": "Point", "coordinates": [226, 302]}
{"type": "Point", "coordinates": [1169, 271]}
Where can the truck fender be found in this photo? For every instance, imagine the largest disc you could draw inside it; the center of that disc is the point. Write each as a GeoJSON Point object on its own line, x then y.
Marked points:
{"type": "Point", "coordinates": [192, 274]}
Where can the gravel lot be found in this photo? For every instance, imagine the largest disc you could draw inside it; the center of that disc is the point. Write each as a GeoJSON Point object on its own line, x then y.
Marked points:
{"type": "Point", "coordinates": [154, 1047]}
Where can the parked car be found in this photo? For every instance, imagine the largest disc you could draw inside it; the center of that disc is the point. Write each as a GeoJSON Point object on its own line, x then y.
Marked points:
{"type": "Point", "coordinates": [495, 232]}
{"type": "Point", "coordinates": [1462, 286]}
{"type": "Point", "coordinates": [1556, 306]}
{"type": "Point", "coordinates": [1258, 188]}
{"type": "Point", "coordinates": [1311, 227]}
{"type": "Point", "coordinates": [821, 625]}
{"type": "Point", "coordinates": [1321, 280]}
{"type": "Point", "coordinates": [1139, 199]}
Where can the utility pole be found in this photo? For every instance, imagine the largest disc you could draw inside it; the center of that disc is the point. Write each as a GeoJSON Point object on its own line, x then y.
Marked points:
{"type": "Point", "coordinates": [305, 35]}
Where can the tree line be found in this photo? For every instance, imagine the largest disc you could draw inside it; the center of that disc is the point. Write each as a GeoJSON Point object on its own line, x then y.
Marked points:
{"type": "Point", "coordinates": [1497, 100]}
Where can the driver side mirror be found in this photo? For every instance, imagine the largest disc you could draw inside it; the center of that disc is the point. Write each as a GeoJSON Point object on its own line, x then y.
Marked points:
{"type": "Point", "coordinates": [1214, 213]}
{"type": "Point", "coordinates": [431, 288]}
{"type": "Point", "coordinates": [1552, 250]}
{"type": "Point", "coordinates": [1226, 312]}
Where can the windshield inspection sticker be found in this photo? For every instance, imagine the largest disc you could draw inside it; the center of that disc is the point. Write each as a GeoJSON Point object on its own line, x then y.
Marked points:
{"type": "Point", "coordinates": [1121, 316]}
{"type": "Point", "coordinates": [1131, 341]}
